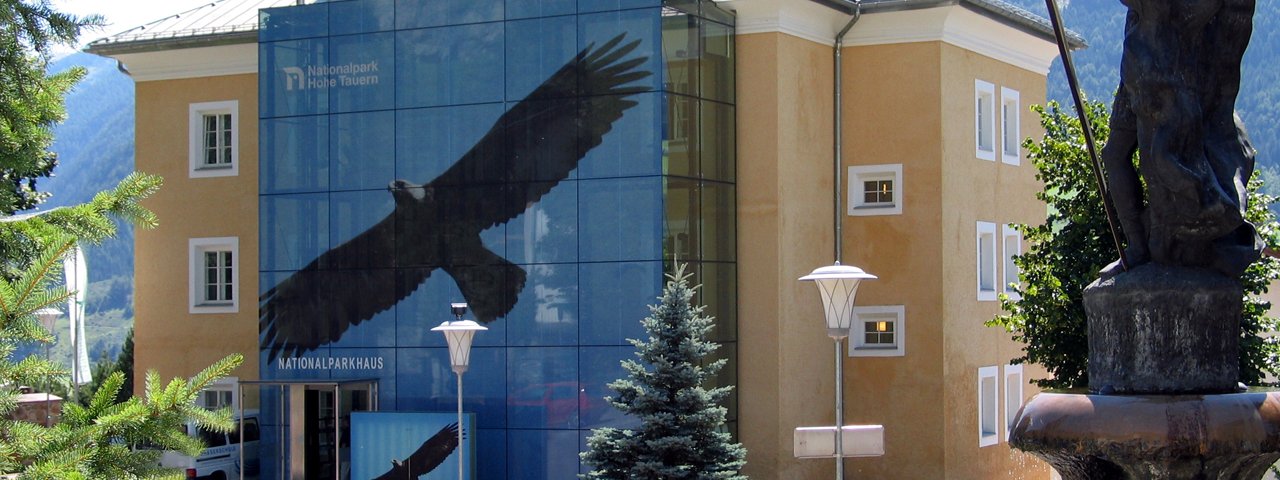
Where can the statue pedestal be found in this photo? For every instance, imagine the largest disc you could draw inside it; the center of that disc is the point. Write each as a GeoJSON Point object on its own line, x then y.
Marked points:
{"type": "Point", "coordinates": [1159, 329]}
{"type": "Point", "coordinates": [1228, 436]}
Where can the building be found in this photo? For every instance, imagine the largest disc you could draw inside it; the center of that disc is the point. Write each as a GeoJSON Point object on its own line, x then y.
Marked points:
{"type": "Point", "coordinates": [296, 143]}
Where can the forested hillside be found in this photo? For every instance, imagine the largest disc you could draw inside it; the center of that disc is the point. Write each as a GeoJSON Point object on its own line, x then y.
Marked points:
{"type": "Point", "coordinates": [1101, 22]}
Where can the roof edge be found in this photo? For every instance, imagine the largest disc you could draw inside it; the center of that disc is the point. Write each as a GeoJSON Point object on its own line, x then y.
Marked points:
{"type": "Point", "coordinates": [172, 43]}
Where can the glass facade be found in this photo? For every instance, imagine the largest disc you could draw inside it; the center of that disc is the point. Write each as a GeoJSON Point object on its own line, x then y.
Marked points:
{"type": "Point", "coordinates": [544, 160]}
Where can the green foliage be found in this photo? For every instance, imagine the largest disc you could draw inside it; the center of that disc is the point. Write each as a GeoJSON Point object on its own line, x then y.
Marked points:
{"type": "Point", "coordinates": [1074, 243]}
{"type": "Point", "coordinates": [682, 433]}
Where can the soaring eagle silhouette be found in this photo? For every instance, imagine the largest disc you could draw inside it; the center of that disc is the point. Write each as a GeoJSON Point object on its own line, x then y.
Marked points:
{"type": "Point", "coordinates": [427, 457]}
{"type": "Point", "coordinates": [527, 152]}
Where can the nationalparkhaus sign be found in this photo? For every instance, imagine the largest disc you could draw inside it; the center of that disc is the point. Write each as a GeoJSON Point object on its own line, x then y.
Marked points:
{"type": "Point", "coordinates": [329, 363]}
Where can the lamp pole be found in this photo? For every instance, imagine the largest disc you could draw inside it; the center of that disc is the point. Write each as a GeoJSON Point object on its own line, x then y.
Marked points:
{"type": "Point", "coordinates": [48, 316]}
{"type": "Point", "coordinates": [459, 333]}
{"type": "Point", "coordinates": [838, 285]}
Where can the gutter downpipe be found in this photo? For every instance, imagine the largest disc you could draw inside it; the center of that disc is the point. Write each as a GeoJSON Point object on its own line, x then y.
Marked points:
{"type": "Point", "coordinates": [837, 214]}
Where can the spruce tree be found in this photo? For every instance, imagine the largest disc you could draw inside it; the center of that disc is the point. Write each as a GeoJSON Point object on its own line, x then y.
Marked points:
{"type": "Point", "coordinates": [682, 434]}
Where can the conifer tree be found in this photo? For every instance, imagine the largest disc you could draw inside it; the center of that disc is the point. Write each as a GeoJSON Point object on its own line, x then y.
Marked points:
{"type": "Point", "coordinates": [682, 434]}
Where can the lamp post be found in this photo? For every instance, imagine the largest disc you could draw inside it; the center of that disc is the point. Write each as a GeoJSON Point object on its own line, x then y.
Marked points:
{"type": "Point", "coordinates": [47, 316]}
{"type": "Point", "coordinates": [838, 284]}
{"type": "Point", "coordinates": [459, 334]}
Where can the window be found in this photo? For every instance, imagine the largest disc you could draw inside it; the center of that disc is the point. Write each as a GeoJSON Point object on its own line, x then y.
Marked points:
{"type": "Point", "coordinates": [1010, 151]}
{"type": "Point", "coordinates": [985, 119]}
{"type": "Point", "coordinates": [1012, 245]}
{"type": "Point", "coordinates": [875, 190]}
{"type": "Point", "coordinates": [219, 394]}
{"type": "Point", "coordinates": [988, 396]}
{"type": "Point", "coordinates": [215, 139]}
{"type": "Point", "coordinates": [214, 266]}
{"type": "Point", "coordinates": [878, 331]}
{"type": "Point", "coordinates": [986, 260]}
{"type": "Point", "coordinates": [1012, 396]}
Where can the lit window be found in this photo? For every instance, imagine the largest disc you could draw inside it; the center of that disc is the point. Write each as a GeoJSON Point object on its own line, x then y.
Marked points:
{"type": "Point", "coordinates": [988, 397]}
{"type": "Point", "coordinates": [1012, 244]}
{"type": "Point", "coordinates": [986, 261]}
{"type": "Point", "coordinates": [985, 119]}
{"type": "Point", "coordinates": [875, 190]}
{"type": "Point", "coordinates": [878, 331]}
{"type": "Point", "coordinates": [215, 139]}
{"type": "Point", "coordinates": [214, 270]}
{"type": "Point", "coordinates": [1013, 396]}
{"type": "Point", "coordinates": [1009, 130]}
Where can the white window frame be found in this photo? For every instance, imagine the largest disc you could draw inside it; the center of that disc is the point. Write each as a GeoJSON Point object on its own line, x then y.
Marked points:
{"type": "Point", "coordinates": [197, 111]}
{"type": "Point", "coordinates": [1012, 396]}
{"type": "Point", "coordinates": [895, 314]}
{"type": "Point", "coordinates": [197, 248]}
{"type": "Point", "coordinates": [984, 96]}
{"type": "Point", "coordinates": [221, 386]}
{"type": "Point", "coordinates": [988, 401]}
{"type": "Point", "coordinates": [1010, 129]}
{"type": "Point", "coordinates": [860, 174]}
{"type": "Point", "coordinates": [986, 237]}
{"type": "Point", "coordinates": [1009, 271]}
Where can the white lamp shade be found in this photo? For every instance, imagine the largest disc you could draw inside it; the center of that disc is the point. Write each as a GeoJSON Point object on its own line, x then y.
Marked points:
{"type": "Point", "coordinates": [48, 316]}
{"type": "Point", "coordinates": [838, 285]}
{"type": "Point", "coordinates": [459, 335]}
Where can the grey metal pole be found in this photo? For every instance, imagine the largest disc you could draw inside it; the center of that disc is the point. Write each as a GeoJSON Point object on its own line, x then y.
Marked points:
{"type": "Point", "coordinates": [461, 451]}
{"type": "Point", "coordinates": [839, 412]}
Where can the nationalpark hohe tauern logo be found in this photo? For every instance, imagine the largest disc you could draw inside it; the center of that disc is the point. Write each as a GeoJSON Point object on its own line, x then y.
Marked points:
{"type": "Point", "coordinates": [311, 77]}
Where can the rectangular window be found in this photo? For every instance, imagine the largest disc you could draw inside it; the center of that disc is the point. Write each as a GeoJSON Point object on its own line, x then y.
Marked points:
{"type": "Point", "coordinates": [1013, 396]}
{"type": "Point", "coordinates": [875, 190]}
{"type": "Point", "coordinates": [1012, 246]}
{"type": "Point", "coordinates": [985, 119]}
{"type": "Point", "coordinates": [988, 397]}
{"type": "Point", "coordinates": [215, 139]}
{"type": "Point", "coordinates": [878, 331]}
{"type": "Point", "coordinates": [1010, 115]}
{"type": "Point", "coordinates": [214, 271]}
{"type": "Point", "coordinates": [986, 261]}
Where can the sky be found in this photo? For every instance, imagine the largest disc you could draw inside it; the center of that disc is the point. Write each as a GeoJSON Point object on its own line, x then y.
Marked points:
{"type": "Point", "coordinates": [124, 14]}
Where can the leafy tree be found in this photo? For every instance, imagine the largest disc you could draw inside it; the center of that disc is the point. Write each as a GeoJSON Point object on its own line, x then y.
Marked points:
{"type": "Point", "coordinates": [682, 433]}
{"type": "Point", "coordinates": [1074, 243]}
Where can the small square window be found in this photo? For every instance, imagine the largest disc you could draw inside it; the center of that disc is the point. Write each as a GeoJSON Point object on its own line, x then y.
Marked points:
{"type": "Point", "coordinates": [1013, 396]}
{"type": "Point", "coordinates": [988, 397]}
{"type": "Point", "coordinates": [878, 331]}
{"type": "Point", "coordinates": [214, 139]}
{"type": "Point", "coordinates": [213, 275]}
{"type": "Point", "coordinates": [985, 119]}
{"type": "Point", "coordinates": [875, 190]}
{"type": "Point", "coordinates": [1010, 115]}
{"type": "Point", "coordinates": [1012, 246]}
{"type": "Point", "coordinates": [986, 261]}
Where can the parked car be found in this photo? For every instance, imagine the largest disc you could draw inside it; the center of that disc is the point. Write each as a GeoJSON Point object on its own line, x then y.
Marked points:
{"type": "Point", "coordinates": [221, 459]}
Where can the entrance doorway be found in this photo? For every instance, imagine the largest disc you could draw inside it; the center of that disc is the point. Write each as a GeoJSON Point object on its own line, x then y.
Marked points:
{"type": "Point", "coordinates": [306, 426]}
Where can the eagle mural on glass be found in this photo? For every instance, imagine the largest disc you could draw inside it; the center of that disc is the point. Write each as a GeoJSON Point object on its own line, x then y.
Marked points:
{"type": "Point", "coordinates": [544, 136]}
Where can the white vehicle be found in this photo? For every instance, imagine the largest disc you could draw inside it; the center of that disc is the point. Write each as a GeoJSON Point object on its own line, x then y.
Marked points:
{"type": "Point", "coordinates": [221, 459]}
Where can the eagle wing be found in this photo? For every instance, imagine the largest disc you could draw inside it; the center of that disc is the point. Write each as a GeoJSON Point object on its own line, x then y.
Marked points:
{"type": "Point", "coordinates": [427, 457]}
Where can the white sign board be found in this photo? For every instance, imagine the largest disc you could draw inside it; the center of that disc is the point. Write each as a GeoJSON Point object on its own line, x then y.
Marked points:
{"type": "Point", "coordinates": [820, 442]}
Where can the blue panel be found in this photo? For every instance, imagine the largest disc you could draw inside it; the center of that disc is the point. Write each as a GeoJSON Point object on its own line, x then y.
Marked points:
{"type": "Point", "coordinates": [288, 23]}
{"type": "Point", "coordinates": [368, 363]}
{"type": "Point", "coordinates": [428, 305]}
{"type": "Point", "coordinates": [313, 365]}
{"type": "Point", "coordinates": [542, 454]}
{"type": "Point", "coordinates": [430, 140]}
{"type": "Point", "coordinates": [294, 230]}
{"type": "Point", "coordinates": [548, 231]}
{"type": "Point", "coordinates": [543, 390]}
{"type": "Point", "coordinates": [295, 155]}
{"type": "Point", "coordinates": [621, 219]}
{"type": "Point", "coordinates": [290, 80]}
{"type": "Point", "coordinates": [361, 72]}
{"type": "Point", "coordinates": [430, 13]}
{"type": "Point", "coordinates": [615, 297]}
{"type": "Point", "coordinates": [536, 49]}
{"type": "Point", "coordinates": [425, 382]}
{"type": "Point", "coordinates": [606, 5]}
{"type": "Point", "coordinates": [386, 443]}
{"type": "Point", "coordinates": [361, 16]}
{"type": "Point", "coordinates": [634, 146]}
{"type": "Point", "coordinates": [372, 286]}
{"type": "Point", "coordinates": [643, 25]}
{"type": "Point", "coordinates": [606, 368]}
{"type": "Point", "coordinates": [449, 65]}
{"type": "Point", "coordinates": [546, 312]}
{"type": "Point", "coordinates": [359, 223]}
{"type": "Point", "coordinates": [362, 151]}
{"type": "Point", "coordinates": [491, 447]}
{"type": "Point", "coordinates": [539, 8]}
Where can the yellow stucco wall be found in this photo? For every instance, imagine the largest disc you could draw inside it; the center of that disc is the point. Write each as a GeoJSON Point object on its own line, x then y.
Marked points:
{"type": "Point", "coordinates": [168, 338]}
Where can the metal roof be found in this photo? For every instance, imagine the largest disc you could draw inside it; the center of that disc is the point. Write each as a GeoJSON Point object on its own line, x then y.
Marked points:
{"type": "Point", "coordinates": [218, 21]}
{"type": "Point", "coordinates": [996, 8]}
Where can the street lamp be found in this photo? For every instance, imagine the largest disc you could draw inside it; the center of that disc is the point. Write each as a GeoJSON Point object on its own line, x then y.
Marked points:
{"type": "Point", "coordinates": [838, 284]}
{"type": "Point", "coordinates": [459, 334]}
{"type": "Point", "coordinates": [47, 316]}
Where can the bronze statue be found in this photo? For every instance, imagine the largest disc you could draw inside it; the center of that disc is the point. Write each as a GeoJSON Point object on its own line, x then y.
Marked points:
{"type": "Point", "coordinates": [1179, 77]}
